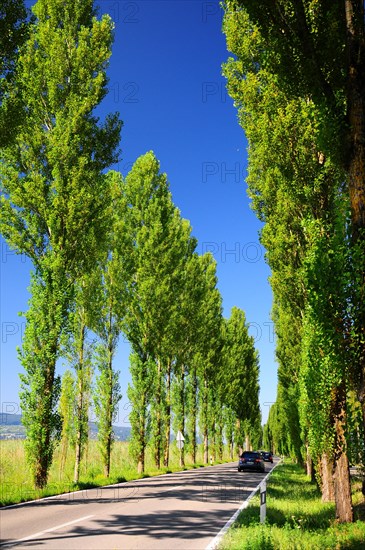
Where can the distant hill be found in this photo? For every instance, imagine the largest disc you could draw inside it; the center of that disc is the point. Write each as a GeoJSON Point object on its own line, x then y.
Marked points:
{"type": "Point", "coordinates": [121, 433]}
{"type": "Point", "coordinates": [11, 419]}
{"type": "Point", "coordinates": [11, 428]}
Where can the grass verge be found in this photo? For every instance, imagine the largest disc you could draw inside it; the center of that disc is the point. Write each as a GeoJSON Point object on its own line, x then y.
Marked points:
{"type": "Point", "coordinates": [16, 484]}
{"type": "Point", "coordinates": [297, 519]}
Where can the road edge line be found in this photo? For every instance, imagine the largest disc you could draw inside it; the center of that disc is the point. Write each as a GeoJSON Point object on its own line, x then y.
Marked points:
{"type": "Point", "coordinates": [217, 539]}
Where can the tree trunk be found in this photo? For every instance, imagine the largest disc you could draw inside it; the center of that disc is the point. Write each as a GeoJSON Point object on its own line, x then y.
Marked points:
{"type": "Point", "coordinates": [80, 405]}
{"type": "Point", "coordinates": [43, 460]}
{"type": "Point", "coordinates": [356, 171]}
{"type": "Point", "coordinates": [239, 436]}
{"type": "Point", "coordinates": [182, 420]}
{"type": "Point", "coordinates": [141, 455]}
{"type": "Point", "coordinates": [213, 439]}
{"type": "Point", "coordinates": [64, 449]}
{"type": "Point", "coordinates": [309, 462]}
{"type": "Point", "coordinates": [220, 442]}
{"type": "Point", "coordinates": [194, 414]}
{"type": "Point", "coordinates": [341, 470]}
{"type": "Point", "coordinates": [142, 432]}
{"type": "Point", "coordinates": [157, 434]}
{"type": "Point", "coordinates": [206, 445]}
{"type": "Point", "coordinates": [167, 416]}
{"type": "Point", "coordinates": [77, 457]}
{"type": "Point", "coordinates": [316, 474]}
{"type": "Point", "coordinates": [109, 411]}
{"type": "Point", "coordinates": [205, 423]}
{"type": "Point", "coordinates": [327, 487]}
{"type": "Point", "coordinates": [342, 485]}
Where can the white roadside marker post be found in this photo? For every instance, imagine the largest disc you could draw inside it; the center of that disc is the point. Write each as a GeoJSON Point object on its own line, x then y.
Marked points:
{"type": "Point", "coordinates": [263, 502]}
{"type": "Point", "coordinates": [180, 443]}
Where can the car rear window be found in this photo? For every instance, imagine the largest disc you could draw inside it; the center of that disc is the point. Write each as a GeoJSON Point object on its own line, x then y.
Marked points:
{"type": "Point", "coordinates": [250, 454]}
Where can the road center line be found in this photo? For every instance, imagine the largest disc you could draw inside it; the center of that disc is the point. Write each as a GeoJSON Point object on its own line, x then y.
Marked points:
{"type": "Point", "coordinates": [40, 533]}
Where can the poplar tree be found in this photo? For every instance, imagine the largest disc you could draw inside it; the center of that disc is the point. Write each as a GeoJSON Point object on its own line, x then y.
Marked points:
{"type": "Point", "coordinates": [229, 418]}
{"type": "Point", "coordinates": [192, 407]}
{"type": "Point", "coordinates": [55, 192]}
{"type": "Point", "coordinates": [297, 190]}
{"type": "Point", "coordinates": [240, 376]}
{"type": "Point", "coordinates": [107, 322]}
{"type": "Point", "coordinates": [79, 351]}
{"type": "Point", "coordinates": [139, 393]}
{"type": "Point", "coordinates": [186, 340]}
{"type": "Point", "coordinates": [106, 398]}
{"type": "Point", "coordinates": [209, 351]}
{"type": "Point", "coordinates": [107, 392]}
{"type": "Point", "coordinates": [300, 41]}
{"type": "Point", "coordinates": [156, 244]}
{"type": "Point", "coordinates": [173, 345]}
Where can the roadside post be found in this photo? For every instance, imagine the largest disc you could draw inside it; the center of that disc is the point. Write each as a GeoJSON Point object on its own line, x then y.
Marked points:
{"type": "Point", "coordinates": [180, 443]}
{"type": "Point", "coordinates": [263, 502]}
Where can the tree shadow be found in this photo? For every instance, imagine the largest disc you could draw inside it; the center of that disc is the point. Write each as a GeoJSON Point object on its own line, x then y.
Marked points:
{"type": "Point", "coordinates": [161, 525]}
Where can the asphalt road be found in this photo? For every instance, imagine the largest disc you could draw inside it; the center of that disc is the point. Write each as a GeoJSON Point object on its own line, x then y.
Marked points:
{"type": "Point", "coordinates": [184, 510]}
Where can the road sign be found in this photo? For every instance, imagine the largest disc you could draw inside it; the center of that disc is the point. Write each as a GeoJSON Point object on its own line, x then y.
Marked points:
{"type": "Point", "coordinates": [180, 440]}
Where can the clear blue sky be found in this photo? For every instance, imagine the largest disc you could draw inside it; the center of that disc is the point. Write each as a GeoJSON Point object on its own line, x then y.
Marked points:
{"type": "Point", "coordinates": [165, 80]}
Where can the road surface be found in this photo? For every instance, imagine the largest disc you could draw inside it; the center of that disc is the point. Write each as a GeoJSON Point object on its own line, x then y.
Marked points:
{"type": "Point", "coordinates": [184, 510]}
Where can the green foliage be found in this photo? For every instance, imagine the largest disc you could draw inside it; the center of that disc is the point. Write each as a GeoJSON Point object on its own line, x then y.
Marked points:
{"type": "Point", "coordinates": [156, 246]}
{"type": "Point", "coordinates": [79, 350]}
{"type": "Point", "coordinates": [52, 210]}
{"type": "Point", "coordinates": [40, 388]}
{"type": "Point", "coordinates": [106, 398]}
{"type": "Point", "coordinates": [12, 26]}
{"type": "Point", "coordinates": [54, 206]}
{"type": "Point", "coordinates": [67, 411]}
{"type": "Point", "coordinates": [355, 434]}
{"type": "Point", "coordinates": [299, 107]}
{"type": "Point", "coordinates": [296, 186]}
{"type": "Point", "coordinates": [240, 385]}
{"type": "Point", "coordinates": [67, 407]}
{"type": "Point", "coordinates": [209, 352]}
{"type": "Point", "coordinates": [139, 394]}
{"type": "Point", "coordinates": [13, 32]}
{"type": "Point", "coordinates": [325, 358]}
{"type": "Point", "coordinates": [296, 518]}
{"type": "Point", "coordinates": [299, 42]}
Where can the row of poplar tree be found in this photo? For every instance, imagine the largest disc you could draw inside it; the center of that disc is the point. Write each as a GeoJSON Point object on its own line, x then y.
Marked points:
{"type": "Point", "coordinates": [297, 79]}
{"type": "Point", "coordinates": [111, 256]}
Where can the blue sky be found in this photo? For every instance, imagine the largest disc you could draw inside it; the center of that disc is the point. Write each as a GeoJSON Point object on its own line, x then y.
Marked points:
{"type": "Point", "coordinates": [165, 80]}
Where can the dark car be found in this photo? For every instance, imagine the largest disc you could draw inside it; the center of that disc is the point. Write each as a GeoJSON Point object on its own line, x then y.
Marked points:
{"type": "Point", "coordinates": [251, 460]}
{"type": "Point", "coordinates": [267, 456]}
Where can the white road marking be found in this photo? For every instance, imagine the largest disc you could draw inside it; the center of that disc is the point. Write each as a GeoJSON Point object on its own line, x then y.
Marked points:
{"type": "Point", "coordinates": [218, 538]}
{"type": "Point", "coordinates": [40, 533]}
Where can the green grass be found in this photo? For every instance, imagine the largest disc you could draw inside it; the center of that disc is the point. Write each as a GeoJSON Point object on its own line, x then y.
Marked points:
{"type": "Point", "coordinates": [16, 484]}
{"type": "Point", "coordinates": [296, 518]}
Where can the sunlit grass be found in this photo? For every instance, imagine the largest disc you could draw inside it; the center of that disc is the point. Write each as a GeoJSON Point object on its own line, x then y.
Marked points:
{"type": "Point", "coordinates": [17, 486]}
{"type": "Point", "coordinates": [297, 519]}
